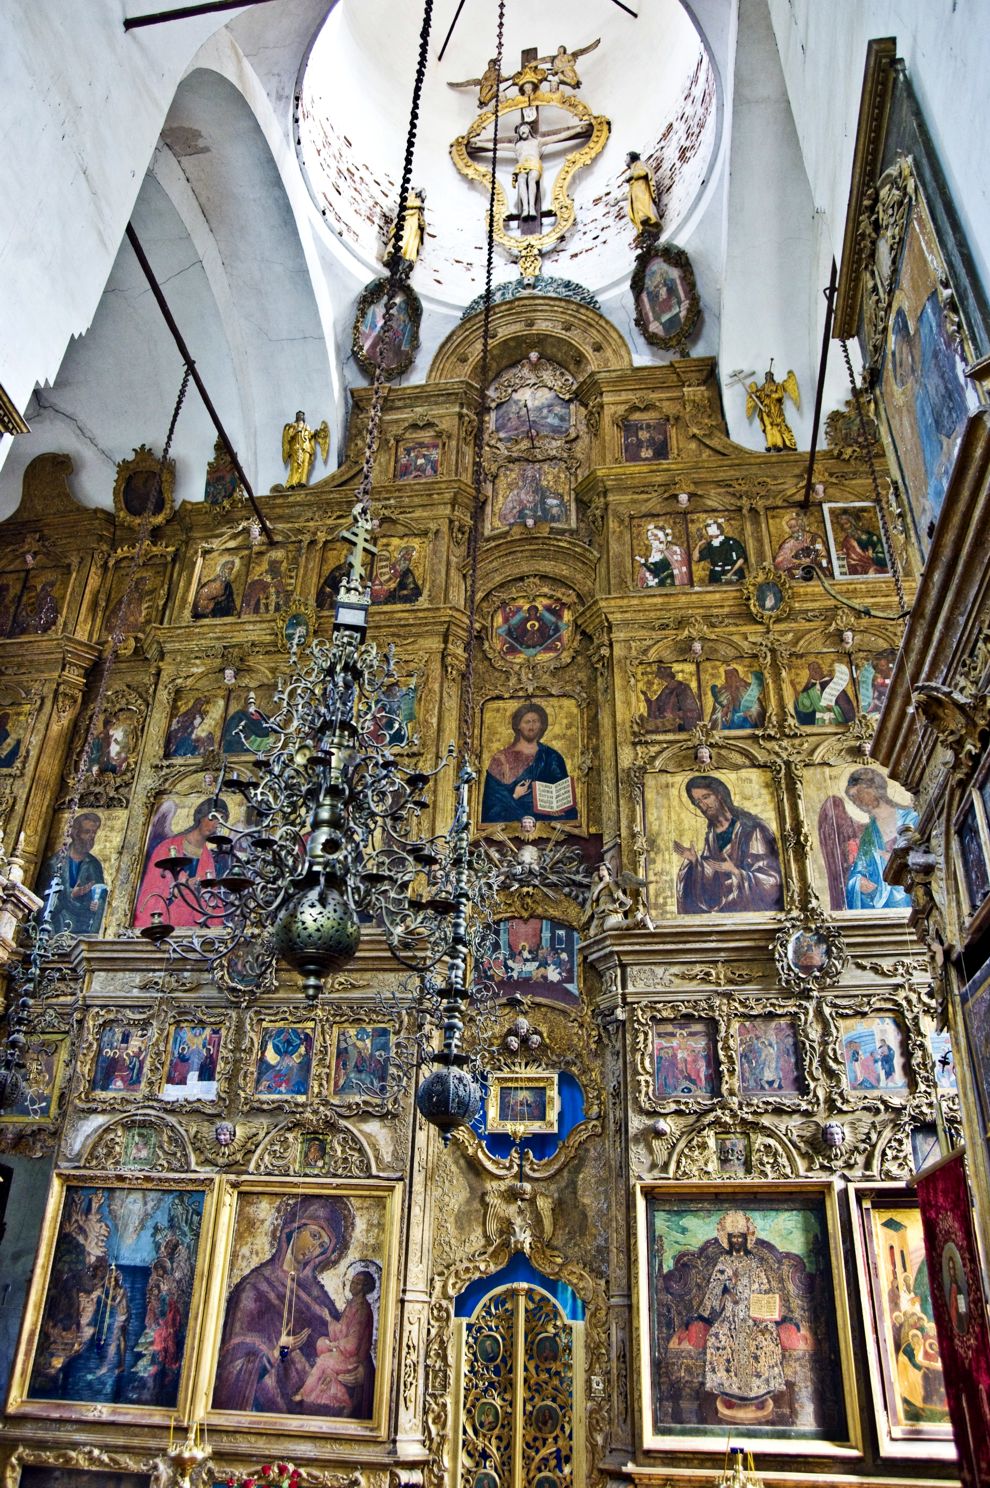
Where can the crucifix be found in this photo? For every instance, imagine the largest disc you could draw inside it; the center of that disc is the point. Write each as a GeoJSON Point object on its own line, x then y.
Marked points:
{"type": "Point", "coordinates": [358, 536]}
{"type": "Point", "coordinates": [527, 145]}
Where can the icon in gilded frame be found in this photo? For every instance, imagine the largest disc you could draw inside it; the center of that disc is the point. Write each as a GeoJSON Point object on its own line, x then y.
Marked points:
{"type": "Point", "coordinates": [361, 1061]}
{"type": "Point", "coordinates": [905, 1367]}
{"type": "Point", "coordinates": [284, 1063]}
{"type": "Point", "coordinates": [685, 1063]}
{"type": "Point", "coordinates": [645, 440]}
{"type": "Point", "coordinates": [417, 459]}
{"type": "Point", "coordinates": [192, 1059]}
{"type": "Point", "coordinates": [44, 1072]}
{"type": "Point", "coordinates": [143, 490]}
{"type": "Point", "coordinates": [119, 1252]}
{"type": "Point", "coordinates": [855, 541]}
{"type": "Point", "coordinates": [121, 1058]}
{"type": "Point", "coordinates": [324, 1255]}
{"type": "Point", "coordinates": [523, 1103]}
{"type": "Point", "coordinates": [791, 1388]}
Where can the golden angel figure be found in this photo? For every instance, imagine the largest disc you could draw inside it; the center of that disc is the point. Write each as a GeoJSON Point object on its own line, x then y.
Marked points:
{"type": "Point", "coordinates": [642, 203]}
{"type": "Point", "coordinates": [487, 85]}
{"type": "Point", "coordinates": [767, 402]}
{"type": "Point", "coordinates": [413, 228]}
{"type": "Point", "coordinates": [562, 63]}
{"type": "Point", "coordinates": [299, 443]}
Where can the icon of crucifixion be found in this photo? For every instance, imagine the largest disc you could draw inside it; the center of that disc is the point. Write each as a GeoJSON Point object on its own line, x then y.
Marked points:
{"type": "Point", "coordinates": [530, 218]}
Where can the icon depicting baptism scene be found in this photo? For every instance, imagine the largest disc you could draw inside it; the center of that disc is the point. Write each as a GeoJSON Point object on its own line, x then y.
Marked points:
{"type": "Point", "coordinates": [494, 747]}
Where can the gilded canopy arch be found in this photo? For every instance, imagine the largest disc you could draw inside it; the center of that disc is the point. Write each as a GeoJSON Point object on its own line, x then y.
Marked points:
{"type": "Point", "coordinates": [573, 335]}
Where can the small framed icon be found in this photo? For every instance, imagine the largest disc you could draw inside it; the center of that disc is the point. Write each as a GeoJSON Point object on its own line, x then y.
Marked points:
{"type": "Point", "coordinates": [488, 1416]}
{"type": "Point", "coordinates": [546, 1418]}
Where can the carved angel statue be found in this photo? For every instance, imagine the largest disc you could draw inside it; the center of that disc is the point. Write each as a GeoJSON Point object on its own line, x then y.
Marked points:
{"type": "Point", "coordinates": [611, 906]}
{"type": "Point", "coordinates": [487, 85]}
{"type": "Point", "coordinates": [299, 443]}
{"type": "Point", "coordinates": [767, 401]}
{"type": "Point", "coordinates": [413, 229]}
{"type": "Point", "coordinates": [509, 1216]}
{"type": "Point", "coordinates": [561, 64]}
{"type": "Point", "coordinates": [642, 201]}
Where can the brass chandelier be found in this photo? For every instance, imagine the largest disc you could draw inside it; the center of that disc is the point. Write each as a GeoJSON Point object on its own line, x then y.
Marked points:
{"type": "Point", "coordinates": [335, 842]}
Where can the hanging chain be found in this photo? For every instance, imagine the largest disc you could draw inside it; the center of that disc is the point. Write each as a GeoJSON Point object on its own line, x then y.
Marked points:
{"type": "Point", "coordinates": [474, 537]}
{"type": "Point", "coordinates": [866, 444]}
{"type": "Point", "coordinates": [393, 266]}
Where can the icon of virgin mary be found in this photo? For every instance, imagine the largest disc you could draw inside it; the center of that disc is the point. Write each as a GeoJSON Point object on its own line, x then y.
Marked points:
{"type": "Point", "coordinates": [279, 1311]}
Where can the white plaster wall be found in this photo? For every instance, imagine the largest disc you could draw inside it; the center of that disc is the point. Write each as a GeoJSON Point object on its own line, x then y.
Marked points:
{"type": "Point", "coordinates": [776, 265]}
{"type": "Point", "coordinates": [83, 103]}
{"type": "Point", "coordinates": [78, 138]}
{"type": "Point", "coordinates": [701, 233]}
{"type": "Point", "coordinates": [650, 76]}
{"type": "Point", "coordinates": [946, 46]}
{"type": "Point", "coordinates": [281, 346]}
{"type": "Point", "coordinates": [117, 384]}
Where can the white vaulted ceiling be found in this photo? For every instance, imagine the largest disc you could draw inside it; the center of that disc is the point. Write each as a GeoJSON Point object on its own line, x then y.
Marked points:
{"type": "Point", "coordinates": [651, 76]}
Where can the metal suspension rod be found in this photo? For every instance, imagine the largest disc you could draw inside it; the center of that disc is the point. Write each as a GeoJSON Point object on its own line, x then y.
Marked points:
{"type": "Point", "coordinates": [186, 12]}
{"type": "Point", "coordinates": [457, 16]}
{"type": "Point", "coordinates": [169, 318]}
{"type": "Point", "coordinates": [820, 393]}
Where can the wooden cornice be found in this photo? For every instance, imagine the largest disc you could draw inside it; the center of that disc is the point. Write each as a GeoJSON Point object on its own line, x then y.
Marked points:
{"type": "Point", "coordinates": [874, 108]}
{"type": "Point", "coordinates": [10, 418]}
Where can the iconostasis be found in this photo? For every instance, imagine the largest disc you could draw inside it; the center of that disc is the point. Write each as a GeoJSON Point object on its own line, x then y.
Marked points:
{"type": "Point", "coordinates": [715, 1034]}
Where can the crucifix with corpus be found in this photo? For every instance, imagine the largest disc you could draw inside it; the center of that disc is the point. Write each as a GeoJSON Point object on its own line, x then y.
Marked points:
{"type": "Point", "coordinates": [527, 145]}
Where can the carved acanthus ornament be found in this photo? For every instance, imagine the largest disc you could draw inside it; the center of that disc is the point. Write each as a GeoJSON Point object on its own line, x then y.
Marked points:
{"type": "Point", "coordinates": [958, 720]}
{"type": "Point", "coordinates": [882, 225]}
{"type": "Point", "coordinates": [167, 1151]}
{"type": "Point", "coordinates": [343, 1154]}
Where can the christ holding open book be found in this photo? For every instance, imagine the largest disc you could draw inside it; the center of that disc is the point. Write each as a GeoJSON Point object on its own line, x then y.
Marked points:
{"type": "Point", "coordinates": [528, 777]}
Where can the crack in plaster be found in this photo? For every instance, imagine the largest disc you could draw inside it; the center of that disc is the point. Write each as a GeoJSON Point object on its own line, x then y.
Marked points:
{"type": "Point", "coordinates": [279, 340]}
{"type": "Point", "coordinates": [47, 406]}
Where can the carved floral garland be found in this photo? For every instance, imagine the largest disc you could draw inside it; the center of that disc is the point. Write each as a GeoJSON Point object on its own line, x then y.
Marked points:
{"type": "Point", "coordinates": [271, 1475]}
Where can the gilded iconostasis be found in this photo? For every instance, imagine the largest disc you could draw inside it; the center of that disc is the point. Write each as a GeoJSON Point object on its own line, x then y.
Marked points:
{"type": "Point", "coordinates": [714, 1063]}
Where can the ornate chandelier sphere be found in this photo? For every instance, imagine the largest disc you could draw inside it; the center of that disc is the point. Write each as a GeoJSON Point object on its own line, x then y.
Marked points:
{"type": "Point", "coordinates": [316, 934]}
{"type": "Point", "coordinates": [11, 1088]}
{"type": "Point", "coordinates": [449, 1097]}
